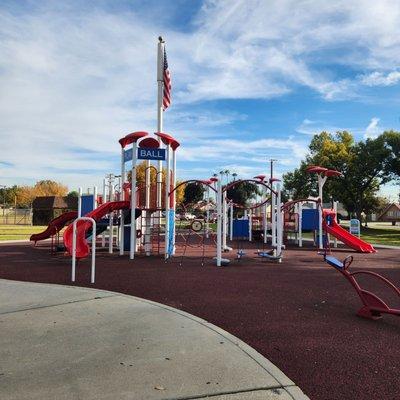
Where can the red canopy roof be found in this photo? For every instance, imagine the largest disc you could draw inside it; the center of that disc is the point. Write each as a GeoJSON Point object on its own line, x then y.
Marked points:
{"type": "Point", "coordinates": [332, 172]}
{"type": "Point", "coordinates": [132, 138]}
{"type": "Point", "coordinates": [260, 177]}
{"type": "Point", "coordinates": [149, 142]}
{"type": "Point", "coordinates": [168, 140]}
{"type": "Point", "coordinates": [316, 169]}
{"type": "Point", "coordinates": [319, 170]}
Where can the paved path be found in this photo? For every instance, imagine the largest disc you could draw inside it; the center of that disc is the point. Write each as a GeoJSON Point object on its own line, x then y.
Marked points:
{"type": "Point", "coordinates": [60, 342]}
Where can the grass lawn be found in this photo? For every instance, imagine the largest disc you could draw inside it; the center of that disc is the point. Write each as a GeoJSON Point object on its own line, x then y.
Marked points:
{"type": "Point", "coordinates": [388, 235]}
{"type": "Point", "coordinates": [18, 232]}
{"type": "Point", "coordinates": [376, 233]}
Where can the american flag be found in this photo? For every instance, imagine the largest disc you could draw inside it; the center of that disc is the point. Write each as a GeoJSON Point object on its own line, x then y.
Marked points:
{"type": "Point", "coordinates": [167, 84]}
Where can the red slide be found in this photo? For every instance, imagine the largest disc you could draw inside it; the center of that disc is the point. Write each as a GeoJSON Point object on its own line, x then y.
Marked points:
{"type": "Point", "coordinates": [344, 236]}
{"type": "Point", "coordinates": [55, 226]}
{"type": "Point", "coordinates": [82, 248]}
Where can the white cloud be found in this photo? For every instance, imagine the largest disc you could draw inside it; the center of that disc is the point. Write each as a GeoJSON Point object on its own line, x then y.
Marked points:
{"type": "Point", "coordinates": [77, 79]}
{"type": "Point", "coordinates": [380, 79]}
{"type": "Point", "coordinates": [373, 129]}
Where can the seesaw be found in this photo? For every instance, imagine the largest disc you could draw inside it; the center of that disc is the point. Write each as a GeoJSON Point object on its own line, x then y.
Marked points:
{"type": "Point", "coordinates": [373, 306]}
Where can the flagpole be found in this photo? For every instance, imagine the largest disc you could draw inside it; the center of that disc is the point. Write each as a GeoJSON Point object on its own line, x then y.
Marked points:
{"type": "Point", "coordinates": [160, 82]}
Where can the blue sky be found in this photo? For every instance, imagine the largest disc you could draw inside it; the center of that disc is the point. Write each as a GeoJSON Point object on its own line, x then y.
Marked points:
{"type": "Point", "coordinates": [251, 80]}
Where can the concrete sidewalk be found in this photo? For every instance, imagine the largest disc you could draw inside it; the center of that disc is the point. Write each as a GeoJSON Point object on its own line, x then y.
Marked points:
{"type": "Point", "coordinates": [60, 342]}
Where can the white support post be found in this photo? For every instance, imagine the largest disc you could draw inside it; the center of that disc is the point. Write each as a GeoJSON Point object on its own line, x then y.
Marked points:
{"type": "Point", "coordinates": [231, 222]}
{"type": "Point", "coordinates": [300, 223]}
{"type": "Point", "coordinates": [80, 203]}
{"type": "Point", "coordinates": [321, 182]}
{"type": "Point", "coordinates": [167, 203]}
{"type": "Point", "coordinates": [250, 226]}
{"type": "Point", "coordinates": [94, 197]}
{"type": "Point", "coordinates": [111, 219]}
{"type": "Point", "coordinates": [335, 207]}
{"type": "Point", "coordinates": [103, 235]}
{"type": "Point", "coordinates": [265, 223]}
{"type": "Point", "coordinates": [273, 221]}
{"type": "Point", "coordinates": [279, 222]}
{"type": "Point", "coordinates": [173, 184]}
{"type": "Point", "coordinates": [219, 223]}
{"type": "Point", "coordinates": [133, 203]}
{"type": "Point", "coordinates": [93, 265]}
{"type": "Point", "coordinates": [122, 196]}
{"type": "Point", "coordinates": [224, 214]}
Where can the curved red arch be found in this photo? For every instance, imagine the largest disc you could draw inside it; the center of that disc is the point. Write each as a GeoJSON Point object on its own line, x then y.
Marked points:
{"type": "Point", "coordinates": [203, 182]}
{"type": "Point", "coordinates": [268, 199]}
{"type": "Point", "coordinates": [234, 183]}
{"type": "Point", "coordinates": [293, 202]}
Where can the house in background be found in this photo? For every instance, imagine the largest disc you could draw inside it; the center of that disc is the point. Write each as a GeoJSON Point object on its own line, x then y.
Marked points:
{"type": "Point", "coordinates": [46, 208]}
{"type": "Point", "coordinates": [391, 214]}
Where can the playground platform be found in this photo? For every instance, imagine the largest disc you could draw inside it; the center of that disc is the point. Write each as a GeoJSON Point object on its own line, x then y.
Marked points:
{"type": "Point", "coordinates": [60, 342]}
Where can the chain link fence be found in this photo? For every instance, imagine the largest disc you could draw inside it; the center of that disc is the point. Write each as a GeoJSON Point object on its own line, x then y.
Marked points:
{"type": "Point", "coordinates": [16, 216]}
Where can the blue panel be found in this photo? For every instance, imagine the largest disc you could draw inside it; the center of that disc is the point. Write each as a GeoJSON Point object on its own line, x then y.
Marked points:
{"type": "Point", "coordinates": [241, 229]}
{"type": "Point", "coordinates": [127, 238]}
{"type": "Point", "coordinates": [87, 204]}
{"type": "Point", "coordinates": [171, 231]}
{"type": "Point", "coordinates": [128, 155]}
{"type": "Point", "coordinates": [309, 219]}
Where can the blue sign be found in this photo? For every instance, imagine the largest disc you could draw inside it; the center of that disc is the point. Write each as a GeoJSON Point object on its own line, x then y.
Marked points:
{"type": "Point", "coordinates": [151, 154]}
{"type": "Point", "coordinates": [145, 154]}
{"type": "Point", "coordinates": [128, 155]}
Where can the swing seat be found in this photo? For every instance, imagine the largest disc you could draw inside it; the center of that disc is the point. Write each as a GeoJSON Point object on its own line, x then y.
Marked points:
{"type": "Point", "coordinates": [269, 256]}
{"type": "Point", "coordinates": [224, 261]}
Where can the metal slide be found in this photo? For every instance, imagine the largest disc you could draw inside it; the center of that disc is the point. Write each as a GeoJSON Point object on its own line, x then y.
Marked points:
{"type": "Point", "coordinates": [82, 248]}
{"type": "Point", "coordinates": [55, 226]}
{"type": "Point", "coordinates": [334, 229]}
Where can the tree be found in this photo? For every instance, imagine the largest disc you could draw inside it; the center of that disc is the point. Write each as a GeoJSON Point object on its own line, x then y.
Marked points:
{"type": "Point", "coordinates": [364, 167]}
{"type": "Point", "coordinates": [73, 194]}
{"type": "Point", "coordinates": [193, 193]}
{"type": "Point", "coordinates": [141, 179]}
{"type": "Point", "coordinates": [392, 142]}
{"type": "Point", "coordinates": [242, 192]}
{"type": "Point", "coordinates": [49, 188]}
{"type": "Point", "coordinates": [25, 196]}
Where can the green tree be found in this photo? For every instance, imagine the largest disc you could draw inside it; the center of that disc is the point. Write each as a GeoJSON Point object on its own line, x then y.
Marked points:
{"type": "Point", "coordinates": [364, 166]}
{"type": "Point", "coordinates": [392, 142]}
{"type": "Point", "coordinates": [73, 193]}
{"type": "Point", "coordinates": [242, 192]}
{"type": "Point", "coordinates": [193, 193]}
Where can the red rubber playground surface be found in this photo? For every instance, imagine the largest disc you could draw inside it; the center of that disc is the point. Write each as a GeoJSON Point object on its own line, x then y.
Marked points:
{"type": "Point", "coordinates": [299, 314]}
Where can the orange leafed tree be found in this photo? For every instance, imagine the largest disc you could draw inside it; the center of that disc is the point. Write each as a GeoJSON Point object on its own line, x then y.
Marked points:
{"type": "Point", "coordinates": [141, 179]}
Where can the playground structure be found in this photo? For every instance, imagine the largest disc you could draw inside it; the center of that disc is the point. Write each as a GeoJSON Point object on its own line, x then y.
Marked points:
{"type": "Point", "coordinates": [146, 201]}
{"type": "Point", "coordinates": [153, 228]}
